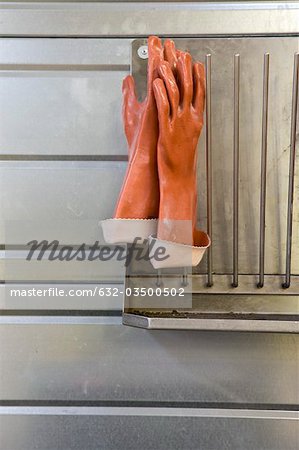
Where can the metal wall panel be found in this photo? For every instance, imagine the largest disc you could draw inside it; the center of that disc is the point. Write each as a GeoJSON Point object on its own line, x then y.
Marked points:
{"type": "Point", "coordinates": [44, 194]}
{"type": "Point", "coordinates": [111, 362]}
{"type": "Point", "coordinates": [61, 100]}
{"type": "Point", "coordinates": [15, 267]}
{"type": "Point", "coordinates": [150, 432]}
{"type": "Point", "coordinates": [141, 19]}
{"type": "Point", "coordinates": [61, 111]}
{"type": "Point", "coordinates": [29, 54]}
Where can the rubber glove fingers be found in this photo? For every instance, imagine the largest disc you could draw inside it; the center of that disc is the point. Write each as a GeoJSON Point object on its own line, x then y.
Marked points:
{"type": "Point", "coordinates": [186, 79]}
{"type": "Point", "coordinates": [129, 92]}
{"type": "Point", "coordinates": [131, 111]}
{"type": "Point", "coordinates": [162, 102]}
{"type": "Point", "coordinates": [155, 57]}
{"type": "Point", "coordinates": [166, 74]}
{"type": "Point", "coordinates": [154, 46]}
{"type": "Point", "coordinates": [170, 54]}
{"type": "Point", "coordinates": [198, 100]}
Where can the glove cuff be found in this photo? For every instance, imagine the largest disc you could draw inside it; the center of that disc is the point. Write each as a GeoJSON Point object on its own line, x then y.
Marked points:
{"type": "Point", "coordinates": [178, 255]}
{"type": "Point", "coordinates": [120, 231]}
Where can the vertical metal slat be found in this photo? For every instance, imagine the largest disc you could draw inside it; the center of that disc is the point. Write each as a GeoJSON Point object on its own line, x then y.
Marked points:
{"type": "Point", "coordinates": [264, 169]}
{"type": "Point", "coordinates": [287, 281]}
{"type": "Point", "coordinates": [209, 166]}
{"type": "Point", "coordinates": [236, 169]}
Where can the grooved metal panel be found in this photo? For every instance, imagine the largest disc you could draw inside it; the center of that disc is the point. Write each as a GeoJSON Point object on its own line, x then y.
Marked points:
{"type": "Point", "coordinates": [97, 54]}
{"type": "Point", "coordinates": [61, 99]}
{"type": "Point", "coordinates": [163, 432]}
{"type": "Point", "coordinates": [61, 110]}
{"type": "Point", "coordinates": [49, 193]}
{"type": "Point", "coordinates": [15, 267]}
{"type": "Point", "coordinates": [112, 362]}
{"type": "Point", "coordinates": [141, 19]}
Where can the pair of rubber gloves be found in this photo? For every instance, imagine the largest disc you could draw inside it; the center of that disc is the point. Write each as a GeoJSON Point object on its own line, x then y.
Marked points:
{"type": "Point", "coordinates": [158, 198]}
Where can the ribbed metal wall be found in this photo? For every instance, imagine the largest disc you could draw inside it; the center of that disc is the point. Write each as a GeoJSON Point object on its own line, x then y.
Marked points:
{"type": "Point", "coordinates": [71, 376]}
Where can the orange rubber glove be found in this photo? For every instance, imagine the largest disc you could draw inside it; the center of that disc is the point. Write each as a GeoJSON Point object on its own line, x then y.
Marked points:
{"type": "Point", "coordinates": [180, 102]}
{"type": "Point", "coordinates": [139, 196]}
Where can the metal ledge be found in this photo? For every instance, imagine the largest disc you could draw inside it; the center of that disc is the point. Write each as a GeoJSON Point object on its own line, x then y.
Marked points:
{"type": "Point", "coordinates": [127, 411]}
{"type": "Point", "coordinates": [208, 324]}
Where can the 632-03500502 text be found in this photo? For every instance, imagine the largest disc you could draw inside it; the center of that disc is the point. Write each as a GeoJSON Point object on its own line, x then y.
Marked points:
{"type": "Point", "coordinates": [100, 291]}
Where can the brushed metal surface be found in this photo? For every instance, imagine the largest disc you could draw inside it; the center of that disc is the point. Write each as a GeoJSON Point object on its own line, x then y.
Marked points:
{"type": "Point", "coordinates": [101, 54]}
{"type": "Point", "coordinates": [135, 432]}
{"type": "Point", "coordinates": [15, 267]}
{"type": "Point", "coordinates": [212, 323]}
{"type": "Point", "coordinates": [51, 107]}
{"type": "Point", "coordinates": [112, 362]}
{"type": "Point", "coordinates": [61, 200]}
{"type": "Point", "coordinates": [142, 18]}
{"type": "Point", "coordinates": [72, 318]}
{"type": "Point", "coordinates": [54, 359]}
{"type": "Point", "coordinates": [154, 411]}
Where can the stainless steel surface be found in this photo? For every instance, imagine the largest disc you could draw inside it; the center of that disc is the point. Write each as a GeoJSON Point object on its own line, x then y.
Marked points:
{"type": "Point", "coordinates": [142, 18]}
{"type": "Point", "coordinates": [63, 53]}
{"type": "Point", "coordinates": [264, 313]}
{"type": "Point", "coordinates": [61, 200]}
{"type": "Point", "coordinates": [14, 267]}
{"type": "Point", "coordinates": [32, 319]}
{"type": "Point", "coordinates": [241, 303]}
{"type": "Point", "coordinates": [159, 278]}
{"type": "Point", "coordinates": [209, 166]}
{"type": "Point", "coordinates": [292, 171]}
{"type": "Point", "coordinates": [264, 168]}
{"type": "Point", "coordinates": [149, 411]}
{"type": "Point", "coordinates": [236, 170]}
{"type": "Point", "coordinates": [185, 280]}
{"type": "Point", "coordinates": [111, 362]}
{"type": "Point", "coordinates": [61, 99]}
{"type": "Point", "coordinates": [70, 93]}
{"type": "Point", "coordinates": [211, 323]}
{"type": "Point", "coordinates": [151, 432]}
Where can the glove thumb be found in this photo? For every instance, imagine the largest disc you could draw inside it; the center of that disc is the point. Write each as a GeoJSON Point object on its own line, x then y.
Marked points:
{"type": "Point", "coordinates": [129, 92]}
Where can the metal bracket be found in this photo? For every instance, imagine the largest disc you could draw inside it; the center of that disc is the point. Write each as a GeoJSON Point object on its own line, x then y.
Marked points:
{"type": "Point", "coordinates": [253, 256]}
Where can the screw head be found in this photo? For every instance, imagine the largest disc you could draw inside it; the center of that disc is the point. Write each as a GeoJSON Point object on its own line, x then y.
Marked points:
{"type": "Point", "coordinates": [143, 52]}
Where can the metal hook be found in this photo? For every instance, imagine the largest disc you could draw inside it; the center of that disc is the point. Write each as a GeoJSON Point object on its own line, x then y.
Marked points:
{"type": "Point", "coordinates": [264, 170]}
{"type": "Point", "coordinates": [236, 169]}
{"type": "Point", "coordinates": [209, 165]}
{"type": "Point", "coordinates": [159, 280]}
{"type": "Point", "coordinates": [185, 277]}
{"type": "Point", "coordinates": [295, 96]}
